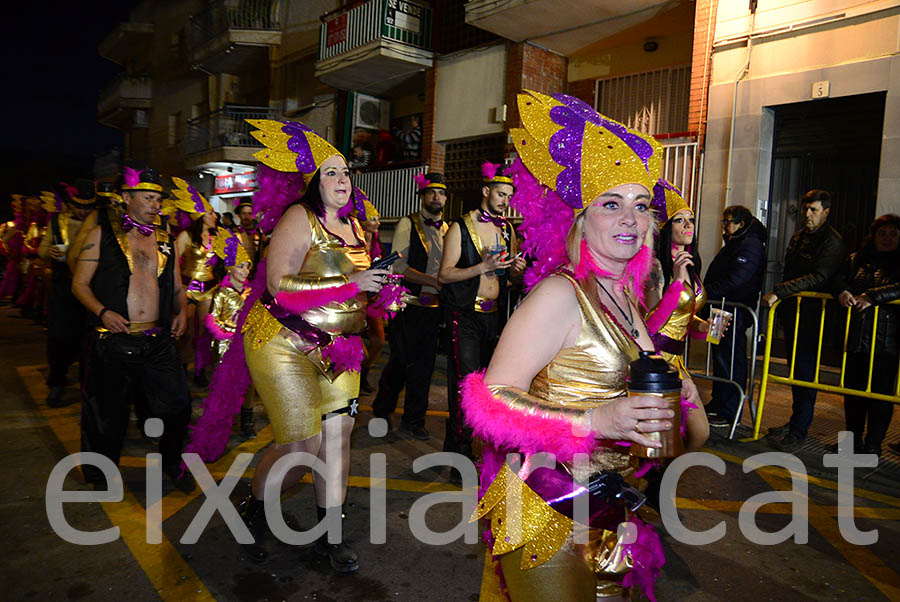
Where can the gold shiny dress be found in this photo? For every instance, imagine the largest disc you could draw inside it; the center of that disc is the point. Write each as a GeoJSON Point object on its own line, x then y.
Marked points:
{"type": "Point", "coordinates": [671, 336]}
{"type": "Point", "coordinates": [226, 304]}
{"type": "Point", "coordinates": [294, 381]}
{"type": "Point", "coordinates": [196, 273]}
{"type": "Point", "coordinates": [547, 564]}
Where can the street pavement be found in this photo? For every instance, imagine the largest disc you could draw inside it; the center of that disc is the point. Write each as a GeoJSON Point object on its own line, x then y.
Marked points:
{"type": "Point", "coordinates": [40, 565]}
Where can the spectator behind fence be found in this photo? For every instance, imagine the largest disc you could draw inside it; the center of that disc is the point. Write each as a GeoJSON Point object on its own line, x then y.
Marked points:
{"type": "Point", "coordinates": [871, 276]}
{"type": "Point", "coordinates": [736, 275]}
{"type": "Point", "coordinates": [813, 256]}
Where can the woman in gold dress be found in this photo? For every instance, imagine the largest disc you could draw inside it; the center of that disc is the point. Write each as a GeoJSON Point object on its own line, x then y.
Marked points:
{"type": "Point", "coordinates": [193, 247]}
{"type": "Point", "coordinates": [301, 338]}
{"type": "Point", "coordinates": [557, 381]}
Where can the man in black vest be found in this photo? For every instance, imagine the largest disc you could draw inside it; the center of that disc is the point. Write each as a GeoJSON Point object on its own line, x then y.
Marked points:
{"type": "Point", "coordinates": [129, 282]}
{"type": "Point", "coordinates": [419, 237]}
{"type": "Point", "coordinates": [65, 324]}
{"type": "Point", "coordinates": [478, 250]}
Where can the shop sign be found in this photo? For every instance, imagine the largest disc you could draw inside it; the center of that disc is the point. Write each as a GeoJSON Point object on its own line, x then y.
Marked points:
{"type": "Point", "coordinates": [336, 30]}
{"type": "Point", "coordinates": [235, 182]}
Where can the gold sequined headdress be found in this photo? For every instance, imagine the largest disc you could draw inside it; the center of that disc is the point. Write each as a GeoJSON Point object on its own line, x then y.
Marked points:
{"type": "Point", "coordinates": [291, 146]}
{"type": "Point", "coordinates": [189, 200]}
{"type": "Point", "coordinates": [364, 209]}
{"type": "Point", "coordinates": [667, 201]}
{"type": "Point", "coordinates": [228, 247]}
{"type": "Point", "coordinates": [577, 152]}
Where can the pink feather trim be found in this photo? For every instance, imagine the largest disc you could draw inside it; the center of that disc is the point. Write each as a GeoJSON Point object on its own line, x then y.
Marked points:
{"type": "Point", "coordinates": [217, 332]}
{"type": "Point", "coordinates": [203, 357]}
{"type": "Point", "coordinates": [647, 556]}
{"type": "Point", "coordinates": [504, 427]}
{"type": "Point", "coordinates": [300, 301]}
{"type": "Point", "coordinates": [390, 294]}
{"type": "Point", "coordinates": [645, 468]}
{"type": "Point", "coordinates": [686, 407]}
{"type": "Point", "coordinates": [345, 353]}
{"type": "Point", "coordinates": [420, 180]}
{"type": "Point", "coordinates": [277, 190]}
{"type": "Point", "coordinates": [696, 334]}
{"type": "Point", "coordinates": [660, 314]}
{"type": "Point", "coordinates": [489, 170]}
{"type": "Point", "coordinates": [70, 190]}
{"type": "Point", "coordinates": [132, 176]}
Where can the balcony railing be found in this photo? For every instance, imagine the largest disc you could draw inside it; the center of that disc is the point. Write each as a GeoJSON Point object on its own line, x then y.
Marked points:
{"type": "Point", "coordinates": [406, 22]}
{"type": "Point", "coordinates": [224, 127]}
{"type": "Point", "coordinates": [223, 15]}
{"type": "Point", "coordinates": [126, 91]}
{"type": "Point", "coordinates": [393, 191]}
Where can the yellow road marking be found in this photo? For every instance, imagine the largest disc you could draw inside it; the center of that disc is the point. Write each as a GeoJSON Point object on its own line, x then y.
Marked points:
{"type": "Point", "coordinates": [172, 577]}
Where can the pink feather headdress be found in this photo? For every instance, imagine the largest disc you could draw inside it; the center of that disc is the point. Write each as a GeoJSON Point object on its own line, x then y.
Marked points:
{"type": "Point", "coordinates": [132, 176]}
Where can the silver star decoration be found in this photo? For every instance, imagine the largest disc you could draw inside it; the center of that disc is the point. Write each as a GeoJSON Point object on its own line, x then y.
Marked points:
{"type": "Point", "coordinates": [354, 407]}
{"type": "Point", "coordinates": [165, 248]}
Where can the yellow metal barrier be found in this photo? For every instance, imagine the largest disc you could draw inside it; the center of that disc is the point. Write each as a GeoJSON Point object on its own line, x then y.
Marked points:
{"type": "Point", "coordinates": [815, 384]}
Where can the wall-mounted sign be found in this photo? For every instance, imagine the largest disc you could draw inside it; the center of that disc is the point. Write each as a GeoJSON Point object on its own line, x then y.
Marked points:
{"type": "Point", "coordinates": [403, 15]}
{"type": "Point", "coordinates": [235, 182]}
{"type": "Point", "coordinates": [336, 30]}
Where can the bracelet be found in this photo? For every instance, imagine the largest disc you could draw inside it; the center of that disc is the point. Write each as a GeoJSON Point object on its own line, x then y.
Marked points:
{"type": "Point", "coordinates": [102, 311]}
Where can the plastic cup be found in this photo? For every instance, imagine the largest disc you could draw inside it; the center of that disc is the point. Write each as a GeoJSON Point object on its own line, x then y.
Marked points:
{"type": "Point", "coordinates": [718, 320]}
{"type": "Point", "coordinates": [62, 249]}
{"type": "Point", "coordinates": [497, 250]}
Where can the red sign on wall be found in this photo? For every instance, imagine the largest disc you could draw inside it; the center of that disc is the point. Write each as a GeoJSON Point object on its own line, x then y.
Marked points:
{"type": "Point", "coordinates": [235, 182]}
{"type": "Point", "coordinates": [336, 30]}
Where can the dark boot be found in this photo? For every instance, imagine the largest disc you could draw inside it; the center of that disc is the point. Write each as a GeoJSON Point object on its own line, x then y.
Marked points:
{"type": "Point", "coordinates": [364, 385]}
{"type": "Point", "coordinates": [342, 557]}
{"type": "Point", "coordinates": [252, 511]}
{"type": "Point", "coordinates": [56, 398]}
{"type": "Point", "coordinates": [247, 430]}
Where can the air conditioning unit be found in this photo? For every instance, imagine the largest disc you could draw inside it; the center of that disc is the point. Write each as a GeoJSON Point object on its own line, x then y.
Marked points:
{"type": "Point", "coordinates": [371, 113]}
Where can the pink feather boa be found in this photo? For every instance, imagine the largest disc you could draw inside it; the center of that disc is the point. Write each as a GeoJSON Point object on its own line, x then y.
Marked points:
{"type": "Point", "coordinates": [660, 314]}
{"type": "Point", "coordinates": [277, 190]}
{"type": "Point", "coordinates": [346, 353]}
{"type": "Point", "coordinates": [300, 301]}
{"type": "Point", "coordinates": [503, 427]}
{"type": "Point", "coordinates": [647, 557]}
{"type": "Point", "coordinates": [229, 385]}
{"type": "Point", "coordinates": [388, 295]}
{"type": "Point", "coordinates": [215, 330]}
{"type": "Point", "coordinates": [636, 270]}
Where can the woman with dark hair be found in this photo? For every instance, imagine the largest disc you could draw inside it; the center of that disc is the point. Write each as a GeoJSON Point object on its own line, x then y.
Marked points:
{"type": "Point", "coordinates": [871, 277]}
{"type": "Point", "coordinates": [675, 294]}
{"type": "Point", "coordinates": [193, 248]}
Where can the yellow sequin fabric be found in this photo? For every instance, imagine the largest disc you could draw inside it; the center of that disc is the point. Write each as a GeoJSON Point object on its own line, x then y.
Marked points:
{"type": "Point", "coordinates": [278, 156]}
{"type": "Point", "coordinates": [189, 200]}
{"type": "Point", "coordinates": [605, 160]}
{"type": "Point", "coordinates": [675, 203]}
{"type": "Point", "coordinates": [220, 246]}
{"type": "Point", "coordinates": [194, 266]}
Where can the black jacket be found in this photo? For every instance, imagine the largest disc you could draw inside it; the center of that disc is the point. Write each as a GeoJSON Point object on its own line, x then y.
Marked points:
{"type": "Point", "coordinates": [736, 272]}
{"type": "Point", "coordinates": [811, 260]}
{"type": "Point", "coordinates": [878, 276]}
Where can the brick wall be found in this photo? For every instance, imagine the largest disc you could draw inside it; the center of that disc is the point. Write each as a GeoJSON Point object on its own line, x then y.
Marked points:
{"type": "Point", "coordinates": [532, 68]}
{"type": "Point", "coordinates": [432, 152]}
{"type": "Point", "coordinates": [701, 65]}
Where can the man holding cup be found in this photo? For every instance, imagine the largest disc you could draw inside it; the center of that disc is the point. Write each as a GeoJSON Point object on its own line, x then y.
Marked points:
{"type": "Point", "coordinates": [65, 323]}
{"type": "Point", "coordinates": [479, 255]}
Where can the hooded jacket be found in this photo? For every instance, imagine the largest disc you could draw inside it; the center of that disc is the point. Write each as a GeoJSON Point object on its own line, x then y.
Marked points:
{"type": "Point", "coordinates": [736, 272]}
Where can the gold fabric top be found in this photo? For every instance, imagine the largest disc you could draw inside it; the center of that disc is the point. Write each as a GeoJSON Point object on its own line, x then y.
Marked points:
{"type": "Point", "coordinates": [690, 302]}
{"type": "Point", "coordinates": [193, 263]}
{"type": "Point", "coordinates": [226, 304]}
{"type": "Point", "coordinates": [330, 256]}
{"type": "Point", "coordinates": [591, 372]}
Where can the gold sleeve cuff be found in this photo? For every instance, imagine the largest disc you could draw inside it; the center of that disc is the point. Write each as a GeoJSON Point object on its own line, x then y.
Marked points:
{"type": "Point", "coordinates": [292, 284]}
{"type": "Point", "coordinates": [526, 403]}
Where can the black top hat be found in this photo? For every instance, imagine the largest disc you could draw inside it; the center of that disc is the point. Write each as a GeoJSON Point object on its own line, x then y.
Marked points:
{"type": "Point", "coordinates": [433, 180]}
{"type": "Point", "coordinates": [79, 194]}
{"type": "Point", "coordinates": [143, 179]}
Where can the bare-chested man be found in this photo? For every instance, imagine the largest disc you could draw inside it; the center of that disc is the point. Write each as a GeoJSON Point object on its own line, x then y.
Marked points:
{"type": "Point", "coordinates": [129, 281]}
{"type": "Point", "coordinates": [478, 249]}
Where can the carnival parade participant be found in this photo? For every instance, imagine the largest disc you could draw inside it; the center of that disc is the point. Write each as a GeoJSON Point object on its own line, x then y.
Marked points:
{"type": "Point", "coordinates": [66, 319]}
{"type": "Point", "coordinates": [109, 203]}
{"type": "Point", "coordinates": [247, 229]}
{"type": "Point", "coordinates": [300, 341]}
{"type": "Point", "coordinates": [12, 249]}
{"type": "Point", "coordinates": [557, 380]}
{"type": "Point", "coordinates": [193, 248]}
{"type": "Point", "coordinates": [675, 294]}
{"type": "Point", "coordinates": [478, 250]}
{"type": "Point", "coordinates": [419, 238]}
{"type": "Point", "coordinates": [227, 302]}
{"type": "Point", "coordinates": [129, 282]}
{"type": "Point", "coordinates": [32, 267]}
{"type": "Point", "coordinates": [370, 221]}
